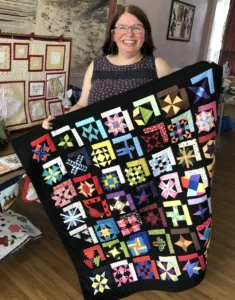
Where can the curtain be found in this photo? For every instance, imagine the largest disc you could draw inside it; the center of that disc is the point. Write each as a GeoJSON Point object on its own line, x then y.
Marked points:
{"type": "Point", "coordinates": [215, 44]}
{"type": "Point", "coordinates": [227, 52]}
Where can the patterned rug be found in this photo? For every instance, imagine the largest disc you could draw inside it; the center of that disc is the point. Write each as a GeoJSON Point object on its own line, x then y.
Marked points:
{"type": "Point", "coordinates": [126, 183]}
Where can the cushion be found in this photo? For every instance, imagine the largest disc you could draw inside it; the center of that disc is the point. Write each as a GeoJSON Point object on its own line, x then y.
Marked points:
{"type": "Point", "coordinates": [9, 190]}
{"type": "Point", "coordinates": [127, 183]}
{"type": "Point", "coordinates": [9, 163]}
{"type": "Point", "coordinates": [15, 232]}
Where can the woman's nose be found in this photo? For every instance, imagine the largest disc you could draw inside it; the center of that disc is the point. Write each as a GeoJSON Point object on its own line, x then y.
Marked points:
{"type": "Point", "coordinates": [129, 31]}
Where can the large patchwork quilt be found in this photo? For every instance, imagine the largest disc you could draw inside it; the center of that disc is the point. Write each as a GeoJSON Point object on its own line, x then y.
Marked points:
{"type": "Point", "coordinates": [126, 183]}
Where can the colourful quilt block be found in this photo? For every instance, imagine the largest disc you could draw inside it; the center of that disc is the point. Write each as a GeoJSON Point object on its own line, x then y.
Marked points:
{"type": "Point", "coordinates": [177, 212]}
{"type": "Point", "coordinates": [204, 85]}
{"type": "Point", "coordinates": [88, 185]}
{"type": "Point", "coordinates": [115, 250]}
{"type": "Point", "coordinates": [161, 241]}
{"type": "Point", "coordinates": [74, 215]}
{"type": "Point", "coordinates": [123, 272]}
{"type": "Point", "coordinates": [63, 193]}
{"type": "Point", "coordinates": [170, 185]}
{"type": "Point", "coordinates": [209, 149]}
{"type": "Point", "coordinates": [168, 268]}
{"type": "Point", "coordinates": [117, 121]}
{"type": "Point", "coordinates": [130, 146]}
{"type": "Point", "coordinates": [184, 240]}
{"type": "Point", "coordinates": [192, 264]}
{"type": "Point", "coordinates": [145, 268]}
{"type": "Point", "coordinates": [138, 244]}
{"type": "Point", "coordinates": [162, 162]}
{"type": "Point", "coordinates": [67, 137]}
{"type": "Point", "coordinates": [99, 283]}
{"type": "Point", "coordinates": [137, 171]}
{"type": "Point", "coordinates": [43, 146]}
{"type": "Point", "coordinates": [188, 153]}
{"type": "Point", "coordinates": [130, 223]}
{"type": "Point", "coordinates": [173, 100]}
{"type": "Point", "coordinates": [204, 231]}
{"type": "Point", "coordinates": [54, 171]}
{"type": "Point", "coordinates": [146, 110]}
{"type": "Point", "coordinates": [93, 256]}
{"type": "Point", "coordinates": [120, 202]}
{"type": "Point", "coordinates": [106, 230]}
{"type": "Point", "coordinates": [153, 215]}
{"type": "Point", "coordinates": [112, 178]}
{"type": "Point", "coordinates": [97, 207]}
{"type": "Point", "coordinates": [103, 154]}
{"type": "Point", "coordinates": [155, 137]}
{"type": "Point", "coordinates": [182, 127]}
{"type": "Point", "coordinates": [92, 129]}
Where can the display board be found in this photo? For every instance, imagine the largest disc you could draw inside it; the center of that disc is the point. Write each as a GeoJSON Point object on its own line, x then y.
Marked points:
{"type": "Point", "coordinates": [33, 72]}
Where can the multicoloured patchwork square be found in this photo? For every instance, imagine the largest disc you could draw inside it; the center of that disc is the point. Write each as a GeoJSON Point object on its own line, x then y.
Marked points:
{"type": "Point", "coordinates": [146, 109]}
{"type": "Point", "coordinates": [102, 154]}
{"type": "Point", "coordinates": [120, 202]}
{"type": "Point", "coordinates": [130, 223]}
{"type": "Point", "coordinates": [91, 129]}
{"type": "Point", "coordinates": [115, 250]}
{"type": "Point", "coordinates": [63, 193]}
{"type": "Point", "coordinates": [88, 185]}
{"type": "Point", "coordinates": [117, 121]}
{"type": "Point", "coordinates": [137, 171]}
{"type": "Point", "coordinates": [111, 181]}
{"type": "Point", "coordinates": [145, 268]}
{"type": "Point", "coordinates": [138, 244]}
{"type": "Point", "coordinates": [170, 185]}
{"type": "Point", "coordinates": [182, 127]}
{"type": "Point", "coordinates": [93, 256]}
{"type": "Point", "coordinates": [162, 162]}
{"type": "Point", "coordinates": [172, 100]}
{"type": "Point", "coordinates": [155, 136]}
{"type": "Point", "coordinates": [167, 270]}
{"type": "Point", "coordinates": [106, 230]}
{"type": "Point", "coordinates": [123, 272]}
{"type": "Point", "coordinates": [154, 215]}
{"type": "Point", "coordinates": [188, 153]}
{"type": "Point", "coordinates": [43, 146]}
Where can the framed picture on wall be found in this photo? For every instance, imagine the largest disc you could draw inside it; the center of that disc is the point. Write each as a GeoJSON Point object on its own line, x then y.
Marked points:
{"type": "Point", "coordinates": [5, 57]}
{"type": "Point", "coordinates": [55, 84]}
{"type": "Point", "coordinates": [36, 88]}
{"type": "Point", "coordinates": [55, 55]}
{"type": "Point", "coordinates": [35, 63]}
{"type": "Point", "coordinates": [181, 21]}
{"type": "Point", "coordinates": [21, 51]}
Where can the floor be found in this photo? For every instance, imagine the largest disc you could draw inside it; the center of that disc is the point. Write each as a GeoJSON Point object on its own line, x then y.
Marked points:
{"type": "Point", "coordinates": [43, 271]}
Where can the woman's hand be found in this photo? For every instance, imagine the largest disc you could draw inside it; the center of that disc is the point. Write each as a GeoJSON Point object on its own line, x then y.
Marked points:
{"type": "Point", "coordinates": [47, 124]}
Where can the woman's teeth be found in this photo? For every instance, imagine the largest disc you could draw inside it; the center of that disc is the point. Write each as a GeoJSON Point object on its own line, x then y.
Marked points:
{"type": "Point", "coordinates": [129, 42]}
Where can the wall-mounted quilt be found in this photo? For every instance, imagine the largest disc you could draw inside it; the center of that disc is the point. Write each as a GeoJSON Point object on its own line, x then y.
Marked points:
{"type": "Point", "coordinates": [127, 184]}
{"type": "Point", "coordinates": [33, 72]}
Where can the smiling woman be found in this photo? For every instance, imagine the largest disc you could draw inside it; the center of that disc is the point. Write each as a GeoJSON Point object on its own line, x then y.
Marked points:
{"type": "Point", "coordinates": [127, 60]}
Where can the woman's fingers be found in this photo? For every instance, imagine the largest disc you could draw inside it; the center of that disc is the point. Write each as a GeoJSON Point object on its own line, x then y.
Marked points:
{"type": "Point", "coordinates": [47, 124]}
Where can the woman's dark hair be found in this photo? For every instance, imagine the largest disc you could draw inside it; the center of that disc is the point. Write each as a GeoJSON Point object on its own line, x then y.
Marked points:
{"type": "Point", "coordinates": [147, 48]}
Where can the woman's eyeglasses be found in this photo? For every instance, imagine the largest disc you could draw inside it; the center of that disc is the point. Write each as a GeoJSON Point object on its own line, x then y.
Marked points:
{"type": "Point", "coordinates": [134, 28]}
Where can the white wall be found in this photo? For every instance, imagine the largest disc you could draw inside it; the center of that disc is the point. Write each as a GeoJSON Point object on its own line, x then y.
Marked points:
{"type": "Point", "coordinates": [177, 53]}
